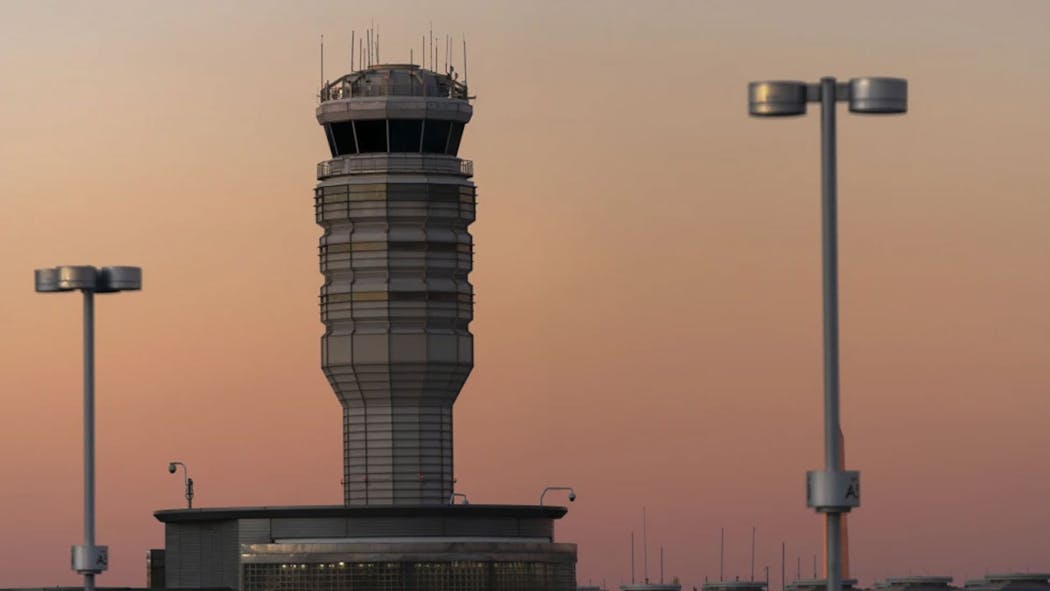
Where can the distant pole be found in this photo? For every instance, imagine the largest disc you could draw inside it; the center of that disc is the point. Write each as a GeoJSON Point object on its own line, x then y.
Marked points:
{"type": "Point", "coordinates": [798, 569]}
{"type": "Point", "coordinates": [352, 50]}
{"type": "Point", "coordinates": [322, 66]}
{"type": "Point", "coordinates": [632, 558]}
{"type": "Point", "coordinates": [783, 566]}
{"type": "Point", "coordinates": [752, 553]}
{"type": "Point", "coordinates": [661, 565]}
{"type": "Point", "coordinates": [814, 567]}
{"type": "Point", "coordinates": [645, 551]}
{"type": "Point", "coordinates": [722, 557]}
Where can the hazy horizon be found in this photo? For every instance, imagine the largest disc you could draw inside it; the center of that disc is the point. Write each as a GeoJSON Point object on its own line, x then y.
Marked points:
{"type": "Point", "coordinates": [647, 274]}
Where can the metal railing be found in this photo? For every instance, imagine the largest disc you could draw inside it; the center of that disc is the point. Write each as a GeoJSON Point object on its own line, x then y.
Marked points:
{"type": "Point", "coordinates": [363, 87]}
{"type": "Point", "coordinates": [378, 163]}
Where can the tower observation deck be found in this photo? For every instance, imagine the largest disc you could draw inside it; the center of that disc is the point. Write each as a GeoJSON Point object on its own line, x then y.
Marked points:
{"type": "Point", "coordinates": [395, 202]}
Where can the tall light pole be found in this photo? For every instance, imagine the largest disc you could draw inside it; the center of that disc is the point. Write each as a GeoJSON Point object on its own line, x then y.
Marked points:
{"type": "Point", "coordinates": [87, 558]}
{"type": "Point", "coordinates": [833, 491]}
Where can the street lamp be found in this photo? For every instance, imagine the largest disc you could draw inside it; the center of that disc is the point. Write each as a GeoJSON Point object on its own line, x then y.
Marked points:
{"type": "Point", "coordinates": [87, 558]}
{"type": "Point", "coordinates": [833, 491]}
{"type": "Point", "coordinates": [572, 493]}
{"type": "Point", "coordinates": [186, 481]}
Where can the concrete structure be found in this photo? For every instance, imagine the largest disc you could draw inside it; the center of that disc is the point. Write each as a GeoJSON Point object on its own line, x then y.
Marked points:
{"type": "Point", "coordinates": [394, 202]}
{"type": "Point", "coordinates": [377, 548]}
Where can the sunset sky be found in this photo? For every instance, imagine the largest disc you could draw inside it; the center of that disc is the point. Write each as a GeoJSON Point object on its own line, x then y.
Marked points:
{"type": "Point", "coordinates": [647, 323]}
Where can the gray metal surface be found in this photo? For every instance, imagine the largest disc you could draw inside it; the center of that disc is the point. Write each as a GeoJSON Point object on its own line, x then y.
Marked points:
{"type": "Point", "coordinates": [829, 226]}
{"type": "Point", "coordinates": [776, 98]}
{"type": "Point", "coordinates": [396, 301]}
{"type": "Point", "coordinates": [878, 95]}
{"type": "Point", "coordinates": [836, 490]}
{"type": "Point", "coordinates": [111, 279]}
{"type": "Point", "coordinates": [395, 163]}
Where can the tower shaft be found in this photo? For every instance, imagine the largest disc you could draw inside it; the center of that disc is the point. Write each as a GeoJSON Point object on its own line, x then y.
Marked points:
{"type": "Point", "coordinates": [395, 203]}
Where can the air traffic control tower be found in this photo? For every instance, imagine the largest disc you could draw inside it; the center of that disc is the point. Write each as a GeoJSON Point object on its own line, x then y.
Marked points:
{"type": "Point", "coordinates": [395, 202]}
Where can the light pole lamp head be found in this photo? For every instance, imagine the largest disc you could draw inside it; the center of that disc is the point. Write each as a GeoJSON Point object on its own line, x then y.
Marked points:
{"type": "Point", "coordinates": [66, 278]}
{"type": "Point", "coordinates": [171, 467]}
{"type": "Point", "coordinates": [878, 95]}
{"type": "Point", "coordinates": [776, 98]}
{"type": "Point", "coordinates": [112, 279]}
{"type": "Point", "coordinates": [87, 278]}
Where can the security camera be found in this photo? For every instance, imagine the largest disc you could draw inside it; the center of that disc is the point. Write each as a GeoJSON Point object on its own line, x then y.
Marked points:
{"type": "Point", "coordinates": [572, 497]}
{"type": "Point", "coordinates": [171, 467]}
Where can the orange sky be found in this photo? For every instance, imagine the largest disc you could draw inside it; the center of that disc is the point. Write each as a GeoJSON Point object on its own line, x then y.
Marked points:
{"type": "Point", "coordinates": [647, 273]}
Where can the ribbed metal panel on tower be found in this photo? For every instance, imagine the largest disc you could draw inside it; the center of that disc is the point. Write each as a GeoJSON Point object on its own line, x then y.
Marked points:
{"type": "Point", "coordinates": [395, 203]}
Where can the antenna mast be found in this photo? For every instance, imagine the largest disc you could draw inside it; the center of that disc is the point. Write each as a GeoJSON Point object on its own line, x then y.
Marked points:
{"type": "Point", "coordinates": [632, 557]}
{"type": "Point", "coordinates": [645, 551]}
{"type": "Point", "coordinates": [322, 66]}
{"type": "Point", "coordinates": [351, 51]}
{"type": "Point", "coordinates": [783, 568]}
{"type": "Point", "coordinates": [722, 557]}
{"type": "Point", "coordinates": [752, 553]}
{"type": "Point", "coordinates": [464, 60]}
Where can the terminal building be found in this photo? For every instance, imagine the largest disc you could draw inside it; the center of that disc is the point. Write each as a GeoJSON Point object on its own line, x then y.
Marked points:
{"type": "Point", "coordinates": [1011, 582]}
{"type": "Point", "coordinates": [395, 202]}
